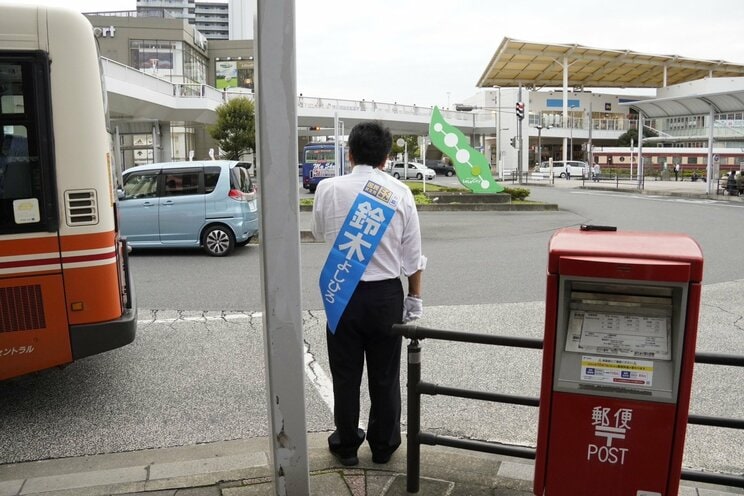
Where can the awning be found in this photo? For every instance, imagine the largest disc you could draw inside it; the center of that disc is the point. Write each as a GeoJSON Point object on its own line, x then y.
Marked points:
{"type": "Point", "coordinates": [540, 65]}
{"type": "Point", "coordinates": [721, 95]}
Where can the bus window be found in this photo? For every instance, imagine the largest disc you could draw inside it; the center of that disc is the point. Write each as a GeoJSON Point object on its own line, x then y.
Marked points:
{"type": "Point", "coordinates": [26, 191]}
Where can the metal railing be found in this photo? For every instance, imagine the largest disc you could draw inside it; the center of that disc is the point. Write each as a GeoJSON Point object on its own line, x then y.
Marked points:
{"type": "Point", "coordinates": [416, 437]}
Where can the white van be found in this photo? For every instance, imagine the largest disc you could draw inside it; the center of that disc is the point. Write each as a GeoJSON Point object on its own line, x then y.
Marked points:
{"type": "Point", "coordinates": [576, 168]}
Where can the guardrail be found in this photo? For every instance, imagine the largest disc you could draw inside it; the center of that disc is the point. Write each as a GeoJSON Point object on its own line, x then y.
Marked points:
{"type": "Point", "coordinates": [416, 437]}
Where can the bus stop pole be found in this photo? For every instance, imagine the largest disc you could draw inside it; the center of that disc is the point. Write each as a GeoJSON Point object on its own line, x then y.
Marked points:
{"type": "Point", "coordinates": [276, 143]}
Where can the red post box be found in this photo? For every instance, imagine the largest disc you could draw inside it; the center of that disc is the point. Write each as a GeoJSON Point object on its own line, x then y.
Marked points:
{"type": "Point", "coordinates": [620, 327]}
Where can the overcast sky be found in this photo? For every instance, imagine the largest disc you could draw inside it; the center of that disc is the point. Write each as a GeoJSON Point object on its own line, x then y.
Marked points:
{"type": "Point", "coordinates": [432, 52]}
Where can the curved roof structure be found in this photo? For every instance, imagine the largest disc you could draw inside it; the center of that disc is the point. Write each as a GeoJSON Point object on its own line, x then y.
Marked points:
{"type": "Point", "coordinates": [539, 64]}
{"type": "Point", "coordinates": [695, 98]}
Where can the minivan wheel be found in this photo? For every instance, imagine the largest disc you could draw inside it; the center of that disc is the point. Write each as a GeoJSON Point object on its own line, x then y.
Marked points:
{"type": "Point", "coordinates": [396, 175]}
{"type": "Point", "coordinates": [419, 176]}
{"type": "Point", "coordinates": [218, 241]}
{"type": "Point", "coordinates": [448, 173]}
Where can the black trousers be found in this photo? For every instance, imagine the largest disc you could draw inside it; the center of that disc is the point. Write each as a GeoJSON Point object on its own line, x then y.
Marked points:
{"type": "Point", "coordinates": [364, 331]}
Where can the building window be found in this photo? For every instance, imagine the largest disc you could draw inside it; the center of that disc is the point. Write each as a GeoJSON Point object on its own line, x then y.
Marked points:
{"type": "Point", "coordinates": [173, 60]}
{"type": "Point", "coordinates": [156, 57]}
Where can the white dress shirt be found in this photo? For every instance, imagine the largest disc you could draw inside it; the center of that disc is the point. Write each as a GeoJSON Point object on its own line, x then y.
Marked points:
{"type": "Point", "coordinates": [399, 251]}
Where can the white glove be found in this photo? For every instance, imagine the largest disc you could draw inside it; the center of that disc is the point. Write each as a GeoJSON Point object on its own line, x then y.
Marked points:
{"type": "Point", "coordinates": [413, 308]}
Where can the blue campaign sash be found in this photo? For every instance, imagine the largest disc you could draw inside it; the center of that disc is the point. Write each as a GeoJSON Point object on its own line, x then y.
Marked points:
{"type": "Point", "coordinates": [356, 242]}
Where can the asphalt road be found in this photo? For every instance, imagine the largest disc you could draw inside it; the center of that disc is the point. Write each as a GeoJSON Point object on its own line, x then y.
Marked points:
{"type": "Point", "coordinates": [195, 373]}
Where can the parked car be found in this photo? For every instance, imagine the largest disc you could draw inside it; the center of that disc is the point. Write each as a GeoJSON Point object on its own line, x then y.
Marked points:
{"type": "Point", "coordinates": [209, 203]}
{"type": "Point", "coordinates": [415, 170]}
{"type": "Point", "coordinates": [576, 168]}
{"type": "Point", "coordinates": [440, 167]}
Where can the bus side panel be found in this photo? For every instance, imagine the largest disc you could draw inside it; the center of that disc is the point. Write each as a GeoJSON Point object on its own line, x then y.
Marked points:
{"type": "Point", "coordinates": [89, 264]}
{"type": "Point", "coordinates": [33, 325]}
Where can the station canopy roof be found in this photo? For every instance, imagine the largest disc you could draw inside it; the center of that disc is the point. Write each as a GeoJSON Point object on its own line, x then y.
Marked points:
{"type": "Point", "coordinates": [697, 102]}
{"type": "Point", "coordinates": [541, 65]}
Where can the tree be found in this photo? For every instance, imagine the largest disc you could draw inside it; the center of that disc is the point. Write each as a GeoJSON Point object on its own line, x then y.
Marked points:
{"type": "Point", "coordinates": [412, 142]}
{"type": "Point", "coordinates": [624, 139]}
{"type": "Point", "coordinates": [235, 129]}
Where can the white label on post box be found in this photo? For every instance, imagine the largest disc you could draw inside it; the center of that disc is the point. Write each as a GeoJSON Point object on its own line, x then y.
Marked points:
{"type": "Point", "coordinates": [617, 370]}
{"type": "Point", "coordinates": [619, 334]}
{"type": "Point", "coordinates": [609, 426]}
{"type": "Point", "coordinates": [647, 493]}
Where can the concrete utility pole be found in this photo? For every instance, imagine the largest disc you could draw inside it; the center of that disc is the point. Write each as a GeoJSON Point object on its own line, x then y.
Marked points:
{"type": "Point", "coordinates": [590, 153]}
{"type": "Point", "coordinates": [276, 139]}
{"type": "Point", "coordinates": [641, 165]}
{"type": "Point", "coordinates": [519, 139]}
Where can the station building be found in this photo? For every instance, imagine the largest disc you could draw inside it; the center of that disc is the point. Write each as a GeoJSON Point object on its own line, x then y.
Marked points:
{"type": "Point", "coordinates": [579, 100]}
{"type": "Point", "coordinates": [173, 50]}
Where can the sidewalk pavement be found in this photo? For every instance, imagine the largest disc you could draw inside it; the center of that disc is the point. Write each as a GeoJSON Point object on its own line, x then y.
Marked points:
{"type": "Point", "coordinates": [242, 468]}
{"type": "Point", "coordinates": [688, 189]}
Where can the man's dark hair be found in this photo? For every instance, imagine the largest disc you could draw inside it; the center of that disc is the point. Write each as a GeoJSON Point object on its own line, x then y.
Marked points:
{"type": "Point", "coordinates": [370, 143]}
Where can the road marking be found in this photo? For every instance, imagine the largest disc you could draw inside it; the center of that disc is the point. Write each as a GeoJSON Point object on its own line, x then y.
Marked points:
{"type": "Point", "coordinates": [664, 198]}
{"type": "Point", "coordinates": [203, 318]}
{"type": "Point", "coordinates": [318, 378]}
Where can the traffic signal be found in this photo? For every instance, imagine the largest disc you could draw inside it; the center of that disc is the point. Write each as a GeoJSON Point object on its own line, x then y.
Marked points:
{"type": "Point", "coordinates": [513, 141]}
{"type": "Point", "coordinates": [314, 128]}
{"type": "Point", "coordinates": [520, 110]}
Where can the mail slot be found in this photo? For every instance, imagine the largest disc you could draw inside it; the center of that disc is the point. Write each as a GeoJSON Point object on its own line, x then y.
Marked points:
{"type": "Point", "coordinates": [619, 347]}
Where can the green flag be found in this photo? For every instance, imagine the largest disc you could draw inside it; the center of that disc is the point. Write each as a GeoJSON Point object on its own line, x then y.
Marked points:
{"type": "Point", "coordinates": [472, 168]}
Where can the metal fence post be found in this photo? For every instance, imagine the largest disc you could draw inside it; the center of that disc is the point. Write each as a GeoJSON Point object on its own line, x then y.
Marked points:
{"type": "Point", "coordinates": [414, 417]}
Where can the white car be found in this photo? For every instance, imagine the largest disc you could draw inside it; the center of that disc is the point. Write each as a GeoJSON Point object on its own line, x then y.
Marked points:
{"type": "Point", "coordinates": [576, 168]}
{"type": "Point", "coordinates": [415, 171]}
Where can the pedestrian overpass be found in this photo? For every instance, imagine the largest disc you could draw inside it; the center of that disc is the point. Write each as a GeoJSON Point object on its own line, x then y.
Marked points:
{"type": "Point", "coordinates": [135, 95]}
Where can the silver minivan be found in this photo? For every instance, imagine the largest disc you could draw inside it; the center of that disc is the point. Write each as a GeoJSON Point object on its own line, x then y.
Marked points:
{"type": "Point", "coordinates": [209, 203]}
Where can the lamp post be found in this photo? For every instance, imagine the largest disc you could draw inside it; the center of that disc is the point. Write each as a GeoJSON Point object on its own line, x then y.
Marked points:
{"type": "Point", "coordinates": [539, 128]}
{"type": "Point", "coordinates": [570, 153]}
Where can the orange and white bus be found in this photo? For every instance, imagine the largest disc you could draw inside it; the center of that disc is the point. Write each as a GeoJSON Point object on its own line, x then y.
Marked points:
{"type": "Point", "coordinates": [65, 288]}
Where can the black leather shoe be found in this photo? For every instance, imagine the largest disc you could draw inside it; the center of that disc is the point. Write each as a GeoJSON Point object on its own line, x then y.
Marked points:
{"type": "Point", "coordinates": [346, 461]}
{"type": "Point", "coordinates": [349, 460]}
{"type": "Point", "coordinates": [381, 459]}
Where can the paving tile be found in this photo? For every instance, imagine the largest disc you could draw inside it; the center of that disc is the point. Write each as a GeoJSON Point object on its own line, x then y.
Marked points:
{"type": "Point", "coordinates": [331, 483]}
{"type": "Point", "coordinates": [427, 486]}
{"type": "Point", "coordinates": [519, 471]}
{"type": "Point", "coordinates": [206, 465]}
{"type": "Point", "coordinates": [84, 479]}
{"type": "Point", "coordinates": [11, 487]}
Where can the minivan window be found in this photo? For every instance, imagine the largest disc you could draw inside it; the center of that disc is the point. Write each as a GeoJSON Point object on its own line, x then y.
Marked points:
{"type": "Point", "coordinates": [211, 176]}
{"type": "Point", "coordinates": [181, 183]}
{"type": "Point", "coordinates": [240, 179]}
{"type": "Point", "coordinates": [141, 185]}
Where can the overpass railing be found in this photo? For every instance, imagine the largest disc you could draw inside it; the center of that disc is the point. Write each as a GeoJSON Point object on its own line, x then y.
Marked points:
{"type": "Point", "coordinates": [416, 388]}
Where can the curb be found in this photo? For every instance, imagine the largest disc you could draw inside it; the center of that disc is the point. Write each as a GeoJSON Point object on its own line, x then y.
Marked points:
{"type": "Point", "coordinates": [243, 468]}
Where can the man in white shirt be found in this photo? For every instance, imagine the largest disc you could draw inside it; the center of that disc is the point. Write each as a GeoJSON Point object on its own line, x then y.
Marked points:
{"type": "Point", "coordinates": [595, 172]}
{"type": "Point", "coordinates": [362, 328]}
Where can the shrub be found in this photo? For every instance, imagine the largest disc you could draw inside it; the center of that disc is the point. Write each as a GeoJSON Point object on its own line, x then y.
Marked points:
{"type": "Point", "coordinates": [517, 194]}
{"type": "Point", "coordinates": [421, 199]}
